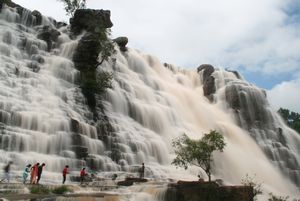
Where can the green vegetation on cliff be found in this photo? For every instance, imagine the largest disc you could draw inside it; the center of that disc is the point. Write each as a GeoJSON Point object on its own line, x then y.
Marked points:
{"type": "Point", "coordinates": [94, 47]}
{"type": "Point", "coordinates": [71, 6]}
{"type": "Point", "coordinates": [291, 118]}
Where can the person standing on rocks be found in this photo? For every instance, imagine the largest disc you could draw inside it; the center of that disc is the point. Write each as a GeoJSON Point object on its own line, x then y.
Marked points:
{"type": "Point", "coordinates": [40, 170]}
{"type": "Point", "coordinates": [65, 172]}
{"type": "Point", "coordinates": [142, 171]}
{"type": "Point", "coordinates": [34, 173]}
{"type": "Point", "coordinates": [7, 172]}
{"type": "Point", "coordinates": [82, 175]}
{"type": "Point", "coordinates": [26, 173]}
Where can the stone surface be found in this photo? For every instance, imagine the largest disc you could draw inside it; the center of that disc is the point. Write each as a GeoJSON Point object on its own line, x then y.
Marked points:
{"type": "Point", "coordinates": [38, 17]}
{"type": "Point", "coordinates": [49, 35]}
{"type": "Point", "coordinates": [74, 125]}
{"type": "Point", "coordinates": [122, 42]}
{"type": "Point", "coordinates": [87, 52]}
{"type": "Point", "coordinates": [207, 70]}
{"type": "Point", "coordinates": [9, 3]}
{"type": "Point", "coordinates": [129, 181]}
{"type": "Point", "coordinates": [208, 80]}
{"type": "Point", "coordinates": [80, 151]}
{"type": "Point", "coordinates": [207, 191]}
{"type": "Point", "coordinates": [90, 20]}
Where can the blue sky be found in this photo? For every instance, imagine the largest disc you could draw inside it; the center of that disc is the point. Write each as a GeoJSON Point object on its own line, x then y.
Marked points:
{"type": "Point", "coordinates": [258, 38]}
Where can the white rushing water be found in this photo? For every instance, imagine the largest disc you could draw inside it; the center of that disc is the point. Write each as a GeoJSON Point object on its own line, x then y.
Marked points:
{"type": "Point", "coordinates": [150, 104]}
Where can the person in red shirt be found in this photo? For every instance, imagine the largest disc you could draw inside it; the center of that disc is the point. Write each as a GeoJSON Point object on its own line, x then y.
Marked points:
{"type": "Point", "coordinates": [65, 172]}
{"type": "Point", "coordinates": [82, 174]}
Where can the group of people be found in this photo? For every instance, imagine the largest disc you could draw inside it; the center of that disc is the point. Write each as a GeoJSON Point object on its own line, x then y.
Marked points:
{"type": "Point", "coordinates": [36, 170]}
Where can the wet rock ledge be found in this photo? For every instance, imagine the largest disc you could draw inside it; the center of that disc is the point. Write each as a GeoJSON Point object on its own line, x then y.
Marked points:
{"type": "Point", "coordinates": [207, 191]}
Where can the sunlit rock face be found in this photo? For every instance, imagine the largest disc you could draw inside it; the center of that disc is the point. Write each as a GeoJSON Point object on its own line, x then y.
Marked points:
{"type": "Point", "coordinates": [45, 116]}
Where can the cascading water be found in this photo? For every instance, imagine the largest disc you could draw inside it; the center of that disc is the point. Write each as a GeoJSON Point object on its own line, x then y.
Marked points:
{"type": "Point", "coordinates": [37, 94]}
{"type": "Point", "coordinates": [253, 113]}
{"type": "Point", "coordinates": [150, 104]}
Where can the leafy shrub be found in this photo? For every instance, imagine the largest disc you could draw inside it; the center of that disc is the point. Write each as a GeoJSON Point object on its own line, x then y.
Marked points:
{"type": "Point", "coordinates": [61, 190]}
{"type": "Point", "coordinates": [39, 189]}
{"type": "Point", "coordinates": [72, 5]}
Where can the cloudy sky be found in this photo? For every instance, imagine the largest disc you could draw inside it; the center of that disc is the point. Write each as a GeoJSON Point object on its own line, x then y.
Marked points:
{"type": "Point", "coordinates": [259, 38]}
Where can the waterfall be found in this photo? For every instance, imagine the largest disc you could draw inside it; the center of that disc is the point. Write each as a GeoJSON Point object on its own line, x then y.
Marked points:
{"type": "Point", "coordinates": [150, 105]}
{"type": "Point", "coordinates": [37, 94]}
{"type": "Point", "coordinates": [44, 116]}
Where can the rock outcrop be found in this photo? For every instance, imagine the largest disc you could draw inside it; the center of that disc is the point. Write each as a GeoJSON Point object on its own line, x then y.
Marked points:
{"type": "Point", "coordinates": [95, 41]}
{"type": "Point", "coordinates": [122, 42]}
{"type": "Point", "coordinates": [208, 80]}
{"type": "Point", "coordinates": [205, 191]}
{"type": "Point", "coordinates": [129, 181]}
{"type": "Point", "coordinates": [90, 20]}
{"type": "Point", "coordinates": [9, 3]}
{"type": "Point", "coordinates": [49, 35]}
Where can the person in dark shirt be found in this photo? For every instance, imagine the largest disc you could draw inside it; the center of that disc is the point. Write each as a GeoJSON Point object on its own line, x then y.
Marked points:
{"type": "Point", "coordinates": [7, 172]}
{"type": "Point", "coordinates": [40, 170]}
{"type": "Point", "coordinates": [142, 171]}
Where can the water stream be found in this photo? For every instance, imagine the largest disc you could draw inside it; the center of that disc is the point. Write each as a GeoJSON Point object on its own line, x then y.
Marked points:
{"type": "Point", "coordinates": [150, 104]}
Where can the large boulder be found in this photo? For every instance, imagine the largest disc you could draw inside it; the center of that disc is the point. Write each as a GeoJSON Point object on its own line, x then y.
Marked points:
{"type": "Point", "coordinates": [209, 87]}
{"type": "Point", "coordinates": [208, 80]}
{"type": "Point", "coordinates": [207, 70]}
{"type": "Point", "coordinates": [122, 42]}
{"type": "Point", "coordinates": [38, 17]}
{"type": "Point", "coordinates": [207, 191]}
{"type": "Point", "coordinates": [8, 3]}
{"type": "Point", "coordinates": [130, 181]}
{"type": "Point", "coordinates": [90, 20]}
{"type": "Point", "coordinates": [49, 35]}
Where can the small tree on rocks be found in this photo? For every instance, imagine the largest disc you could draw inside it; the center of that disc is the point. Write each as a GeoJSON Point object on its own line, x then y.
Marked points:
{"type": "Point", "coordinates": [198, 152]}
{"type": "Point", "coordinates": [72, 5]}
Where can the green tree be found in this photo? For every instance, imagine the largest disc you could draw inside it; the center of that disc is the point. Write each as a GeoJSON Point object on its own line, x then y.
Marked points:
{"type": "Point", "coordinates": [107, 46]}
{"type": "Point", "coordinates": [291, 118]}
{"type": "Point", "coordinates": [198, 152]}
{"type": "Point", "coordinates": [72, 5]}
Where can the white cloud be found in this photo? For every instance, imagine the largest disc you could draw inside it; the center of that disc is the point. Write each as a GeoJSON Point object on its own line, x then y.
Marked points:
{"type": "Point", "coordinates": [286, 95]}
{"type": "Point", "coordinates": [231, 33]}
